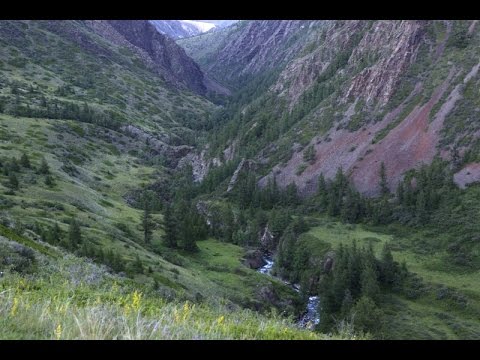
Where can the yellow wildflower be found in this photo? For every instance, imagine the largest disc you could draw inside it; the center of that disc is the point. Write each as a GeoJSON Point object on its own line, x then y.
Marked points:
{"type": "Point", "coordinates": [58, 332]}
{"type": "Point", "coordinates": [14, 309]}
{"type": "Point", "coordinates": [176, 315]}
{"type": "Point", "coordinates": [136, 300]}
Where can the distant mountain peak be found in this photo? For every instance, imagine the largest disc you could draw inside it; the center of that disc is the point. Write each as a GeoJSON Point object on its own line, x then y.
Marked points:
{"type": "Point", "coordinates": [200, 25]}
{"type": "Point", "coordinates": [179, 29]}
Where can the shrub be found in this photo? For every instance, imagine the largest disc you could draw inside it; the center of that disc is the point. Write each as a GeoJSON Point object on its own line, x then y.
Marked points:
{"type": "Point", "coordinates": [16, 257]}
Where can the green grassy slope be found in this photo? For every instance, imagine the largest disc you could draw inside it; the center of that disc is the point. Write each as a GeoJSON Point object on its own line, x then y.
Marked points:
{"type": "Point", "coordinates": [70, 298]}
{"type": "Point", "coordinates": [94, 169]}
{"type": "Point", "coordinates": [40, 68]}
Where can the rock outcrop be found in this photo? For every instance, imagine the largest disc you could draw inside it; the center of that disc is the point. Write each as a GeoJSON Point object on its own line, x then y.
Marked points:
{"type": "Point", "coordinates": [254, 259]}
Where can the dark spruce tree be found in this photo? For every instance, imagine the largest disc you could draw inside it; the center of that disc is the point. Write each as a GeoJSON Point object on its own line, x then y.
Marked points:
{"type": "Point", "coordinates": [383, 180]}
{"type": "Point", "coordinates": [49, 181]}
{"type": "Point", "coordinates": [147, 224]}
{"type": "Point", "coordinates": [170, 226]}
{"type": "Point", "coordinates": [25, 161]}
{"type": "Point", "coordinates": [44, 169]}
{"type": "Point", "coordinates": [13, 182]}
{"type": "Point", "coordinates": [309, 154]}
{"type": "Point", "coordinates": [74, 234]}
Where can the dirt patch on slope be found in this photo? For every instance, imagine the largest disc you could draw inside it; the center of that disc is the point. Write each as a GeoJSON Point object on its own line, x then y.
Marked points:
{"type": "Point", "coordinates": [468, 175]}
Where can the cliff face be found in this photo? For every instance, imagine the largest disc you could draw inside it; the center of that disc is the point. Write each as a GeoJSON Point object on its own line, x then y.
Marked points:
{"type": "Point", "coordinates": [155, 49]}
{"type": "Point", "coordinates": [360, 93]}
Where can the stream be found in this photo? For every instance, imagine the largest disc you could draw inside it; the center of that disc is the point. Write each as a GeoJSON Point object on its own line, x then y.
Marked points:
{"type": "Point", "coordinates": [311, 316]}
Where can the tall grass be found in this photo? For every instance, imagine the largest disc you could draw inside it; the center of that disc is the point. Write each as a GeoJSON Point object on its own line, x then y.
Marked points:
{"type": "Point", "coordinates": [50, 305]}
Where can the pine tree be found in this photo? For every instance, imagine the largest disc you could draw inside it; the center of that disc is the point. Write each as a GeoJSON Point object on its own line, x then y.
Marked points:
{"type": "Point", "coordinates": [13, 181]}
{"type": "Point", "coordinates": [291, 194]}
{"type": "Point", "coordinates": [369, 283]}
{"type": "Point", "coordinates": [44, 168]}
{"type": "Point", "coordinates": [117, 264]}
{"type": "Point", "coordinates": [25, 161]}
{"type": "Point", "coordinates": [229, 224]}
{"type": "Point", "coordinates": [400, 193]}
{"type": "Point", "coordinates": [455, 157]}
{"type": "Point", "coordinates": [309, 154]}
{"type": "Point", "coordinates": [421, 208]}
{"type": "Point", "coordinates": [286, 250]}
{"type": "Point", "coordinates": [187, 231]}
{"type": "Point", "coordinates": [137, 266]}
{"type": "Point", "coordinates": [368, 317]}
{"type": "Point", "coordinates": [351, 207]}
{"type": "Point", "coordinates": [13, 165]}
{"type": "Point", "coordinates": [49, 181]}
{"type": "Point", "coordinates": [54, 234]}
{"type": "Point", "coordinates": [388, 266]}
{"type": "Point", "coordinates": [43, 101]}
{"type": "Point", "coordinates": [383, 180]}
{"type": "Point", "coordinates": [74, 234]}
{"type": "Point", "coordinates": [147, 224]}
{"type": "Point", "coordinates": [322, 193]}
{"type": "Point", "coordinates": [170, 227]}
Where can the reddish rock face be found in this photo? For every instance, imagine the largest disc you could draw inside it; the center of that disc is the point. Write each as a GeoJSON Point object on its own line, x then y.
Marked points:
{"type": "Point", "coordinates": [408, 145]}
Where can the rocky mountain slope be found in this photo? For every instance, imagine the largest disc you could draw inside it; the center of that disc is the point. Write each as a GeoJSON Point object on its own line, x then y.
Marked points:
{"type": "Point", "coordinates": [253, 47]}
{"type": "Point", "coordinates": [156, 50]}
{"type": "Point", "coordinates": [359, 92]}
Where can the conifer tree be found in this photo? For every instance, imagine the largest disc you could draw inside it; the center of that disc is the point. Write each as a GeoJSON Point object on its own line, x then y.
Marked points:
{"type": "Point", "coordinates": [147, 223]}
{"type": "Point", "coordinates": [13, 165]}
{"type": "Point", "coordinates": [13, 181]}
{"type": "Point", "coordinates": [44, 168]}
{"type": "Point", "coordinates": [291, 194]}
{"type": "Point", "coordinates": [54, 235]}
{"type": "Point", "coordinates": [322, 193]}
{"type": "Point", "coordinates": [25, 161]}
{"type": "Point", "coordinates": [49, 181]}
{"type": "Point", "coordinates": [309, 154]}
{"type": "Point", "coordinates": [137, 266]}
{"type": "Point", "coordinates": [74, 234]}
{"type": "Point", "coordinates": [400, 193]}
{"type": "Point", "coordinates": [383, 180]}
{"type": "Point", "coordinates": [421, 208]}
{"type": "Point", "coordinates": [369, 283]}
{"type": "Point", "coordinates": [388, 266]}
{"type": "Point", "coordinates": [170, 227]}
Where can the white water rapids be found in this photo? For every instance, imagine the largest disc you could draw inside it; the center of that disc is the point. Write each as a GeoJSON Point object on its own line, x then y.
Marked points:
{"type": "Point", "coordinates": [311, 317]}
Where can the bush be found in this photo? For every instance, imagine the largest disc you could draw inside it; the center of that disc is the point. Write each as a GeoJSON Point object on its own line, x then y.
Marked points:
{"type": "Point", "coordinates": [16, 257]}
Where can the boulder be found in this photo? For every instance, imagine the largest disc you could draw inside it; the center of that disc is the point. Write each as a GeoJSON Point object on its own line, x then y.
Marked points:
{"type": "Point", "coordinates": [254, 259]}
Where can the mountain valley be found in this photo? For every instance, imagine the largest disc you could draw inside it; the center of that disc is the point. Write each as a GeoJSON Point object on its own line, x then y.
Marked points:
{"type": "Point", "coordinates": [147, 173]}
